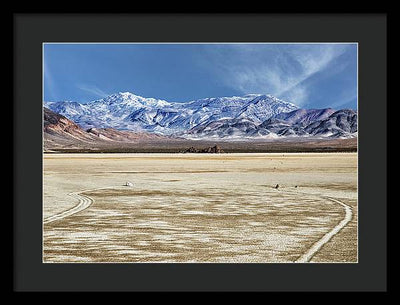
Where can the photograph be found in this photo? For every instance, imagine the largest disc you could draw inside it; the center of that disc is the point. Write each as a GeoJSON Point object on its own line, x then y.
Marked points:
{"type": "Point", "coordinates": [200, 152]}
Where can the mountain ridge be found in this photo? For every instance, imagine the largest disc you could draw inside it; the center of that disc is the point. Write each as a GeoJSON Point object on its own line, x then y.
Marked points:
{"type": "Point", "coordinates": [248, 116]}
{"type": "Point", "coordinates": [61, 132]}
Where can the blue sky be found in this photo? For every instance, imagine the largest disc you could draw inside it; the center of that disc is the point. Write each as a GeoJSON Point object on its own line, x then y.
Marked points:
{"type": "Point", "coordinates": [308, 75]}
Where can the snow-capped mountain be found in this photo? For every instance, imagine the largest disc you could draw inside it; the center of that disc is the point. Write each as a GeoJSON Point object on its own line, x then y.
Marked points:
{"type": "Point", "coordinates": [108, 112]}
{"type": "Point", "coordinates": [248, 116]}
{"type": "Point", "coordinates": [342, 123]}
{"type": "Point", "coordinates": [317, 123]}
{"type": "Point", "coordinates": [60, 132]}
{"type": "Point", "coordinates": [127, 111]}
{"type": "Point", "coordinates": [305, 116]}
{"type": "Point", "coordinates": [224, 128]}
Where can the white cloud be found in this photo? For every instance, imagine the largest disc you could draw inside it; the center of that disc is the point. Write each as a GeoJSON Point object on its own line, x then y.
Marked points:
{"type": "Point", "coordinates": [278, 69]}
{"type": "Point", "coordinates": [93, 90]}
{"type": "Point", "coordinates": [48, 82]}
{"type": "Point", "coordinates": [298, 95]}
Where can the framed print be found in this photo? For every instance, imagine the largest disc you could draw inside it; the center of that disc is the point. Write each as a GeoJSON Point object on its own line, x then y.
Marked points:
{"type": "Point", "coordinates": [176, 152]}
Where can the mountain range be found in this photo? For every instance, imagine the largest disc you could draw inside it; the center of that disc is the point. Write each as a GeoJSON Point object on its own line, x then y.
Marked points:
{"type": "Point", "coordinates": [61, 132]}
{"type": "Point", "coordinates": [252, 116]}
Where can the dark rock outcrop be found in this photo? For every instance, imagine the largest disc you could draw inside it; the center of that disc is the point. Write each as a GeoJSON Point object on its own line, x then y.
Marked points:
{"type": "Point", "coordinates": [210, 150]}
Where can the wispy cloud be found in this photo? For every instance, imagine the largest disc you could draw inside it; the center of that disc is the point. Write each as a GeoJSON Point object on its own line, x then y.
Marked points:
{"type": "Point", "coordinates": [282, 70]}
{"type": "Point", "coordinates": [48, 82]}
{"type": "Point", "coordinates": [93, 90]}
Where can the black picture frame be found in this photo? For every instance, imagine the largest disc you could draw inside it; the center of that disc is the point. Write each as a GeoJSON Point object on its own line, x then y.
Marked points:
{"type": "Point", "coordinates": [31, 30]}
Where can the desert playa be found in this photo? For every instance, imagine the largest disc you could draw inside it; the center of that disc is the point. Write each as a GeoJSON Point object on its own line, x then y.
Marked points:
{"type": "Point", "coordinates": [200, 208]}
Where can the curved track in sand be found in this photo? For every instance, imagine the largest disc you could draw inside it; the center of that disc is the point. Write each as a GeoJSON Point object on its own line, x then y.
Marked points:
{"type": "Point", "coordinates": [83, 203]}
{"type": "Point", "coordinates": [307, 256]}
{"type": "Point", "coordinates": [86, 201]}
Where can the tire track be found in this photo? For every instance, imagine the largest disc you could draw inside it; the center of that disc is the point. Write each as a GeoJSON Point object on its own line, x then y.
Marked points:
{"type": "Point", "coordinates": [84, 202]}
{"type": "Point", "coordinates": [307, 256]}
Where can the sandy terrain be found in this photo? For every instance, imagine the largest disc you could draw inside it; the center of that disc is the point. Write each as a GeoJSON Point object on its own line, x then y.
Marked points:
{"type": "Point", "coordinates": [200, 207]}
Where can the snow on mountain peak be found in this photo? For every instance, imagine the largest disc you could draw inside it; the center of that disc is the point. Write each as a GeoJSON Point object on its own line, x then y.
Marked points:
{"type": "Point", "coordinates": [125, 110]}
